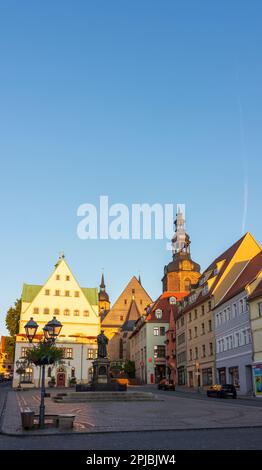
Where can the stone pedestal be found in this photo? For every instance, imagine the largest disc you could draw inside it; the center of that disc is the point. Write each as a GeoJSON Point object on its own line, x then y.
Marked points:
{"type": "Point", "coordinates": [101, 371]}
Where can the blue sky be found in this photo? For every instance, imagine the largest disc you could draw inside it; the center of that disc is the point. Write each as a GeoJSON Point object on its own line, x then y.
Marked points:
{"type": "Point", "coordinates": [143, 101]}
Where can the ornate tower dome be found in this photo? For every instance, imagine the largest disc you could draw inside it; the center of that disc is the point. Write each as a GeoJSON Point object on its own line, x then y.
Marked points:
{"type": "Point", "coordinates": [182, 271]}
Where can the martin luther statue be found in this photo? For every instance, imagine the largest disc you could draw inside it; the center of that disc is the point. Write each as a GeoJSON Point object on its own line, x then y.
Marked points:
{"type": "Point", "coordinates": [102, 342]}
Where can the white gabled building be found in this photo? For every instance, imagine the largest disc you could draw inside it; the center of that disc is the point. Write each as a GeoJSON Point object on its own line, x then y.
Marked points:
{"type": "Point", "coordinates": [77, 309]}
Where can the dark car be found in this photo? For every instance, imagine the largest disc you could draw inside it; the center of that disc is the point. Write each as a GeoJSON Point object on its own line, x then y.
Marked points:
{"type": "Point", "coordinates": [164, 384]}
{"type": "Point", "coordinates": [222, 391]}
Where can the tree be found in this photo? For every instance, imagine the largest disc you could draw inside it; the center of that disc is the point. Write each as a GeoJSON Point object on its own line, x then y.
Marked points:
{"type": "Point", "coordinates": [130, 369]}
{"type": "Point", "coordinates": [13, 317]}
{"type": "Point", "coordinates": [10, 347]}
{"type": "Point", "coordinates": [44, 354]}
{"type": "Point", "coordinates": [12, 324]}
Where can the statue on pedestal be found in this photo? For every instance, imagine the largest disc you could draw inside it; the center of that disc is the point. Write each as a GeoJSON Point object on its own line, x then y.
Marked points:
{"type": "Point", "coordinates": [102, 342]}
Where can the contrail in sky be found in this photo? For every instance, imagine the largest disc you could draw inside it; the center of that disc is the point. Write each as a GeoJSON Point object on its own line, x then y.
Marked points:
{"type": "Point", "coordinates": [244, 161]}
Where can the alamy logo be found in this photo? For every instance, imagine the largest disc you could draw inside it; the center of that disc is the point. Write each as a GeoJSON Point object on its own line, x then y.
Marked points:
{"type": "Point", "coordinates": [119, 222]}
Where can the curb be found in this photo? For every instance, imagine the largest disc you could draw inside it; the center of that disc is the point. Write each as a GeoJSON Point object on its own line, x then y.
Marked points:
{"type": "Point", "coordinates": [223, 428]}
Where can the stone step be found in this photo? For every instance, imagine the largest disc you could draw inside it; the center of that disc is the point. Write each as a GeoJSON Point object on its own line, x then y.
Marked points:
{"type": "Point", "coordinates": [77, 397]}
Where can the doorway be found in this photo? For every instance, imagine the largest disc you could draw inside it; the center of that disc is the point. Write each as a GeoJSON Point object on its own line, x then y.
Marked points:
{"type": "Point", "coordinates": [60, 379]}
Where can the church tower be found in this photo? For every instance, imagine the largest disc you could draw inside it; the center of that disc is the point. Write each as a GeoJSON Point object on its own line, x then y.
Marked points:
{"type": "Point", "coordinates": [182, 272]}
{"type": "Point", "coordinates": [103, 297]}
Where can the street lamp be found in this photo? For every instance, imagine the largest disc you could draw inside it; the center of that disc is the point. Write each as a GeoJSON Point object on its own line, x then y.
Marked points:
{"type": "Point", "coordinates": [51, 331]}
{"type": "Point", "coordinates": [31, 329]}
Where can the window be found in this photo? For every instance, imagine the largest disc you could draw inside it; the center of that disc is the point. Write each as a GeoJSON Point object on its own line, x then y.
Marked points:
{"type": "Point", "coordinates": [67, 278]}
{"type": "Point", "coordinates": [260, 309]}
{"type": "Point", "coordinates": [207, 377]}
{"type": "Point", "coordinates": [211, 349]}
{"type": "Point", "coordinates": [121, 317]}
{"type": "Point", "coordinates": [56, 311]}
{"type": "Point", "coordinates": [196, 353]}
{"type": "Point", "coordinates": [68, 353]}
{"type": "Point", "coordinates": [86, 313]}
{"type": "Point", "coordinates": [203, 328]}
{"type": "Point", "coordinates": [231, 342]}
{"type": "Point", "coordinates": [205, 290]}
{"type": "Point", "coordinates": [209, 325]}
{"type": "Point", "coordinates": [203, 350]}
{"type": "Point", "coordinates": [57, 292]}
{"type": "Point", "coordinates": [156, 331]}
{"type": "Point", "coordinates": [133, 291]}
{"type": "Point", "coordinates": [241, 306]}
{"type": "Point", "coordinates": [234, 376]}
{"type": "Point", "coordinates": [190, 316]}
{"type": "Point", "coordinates": [73, 373]}
{"type": "Point", "coordinates": [158, 313]}
{"type": "Point", "coordinates": [228, 313]}
{"type": "Point", "coordinates": [195, 331]}
{"type": "Point", "coordinates": [36, 310]}
{"type": "Point", "coordinates": [46, 311]}
{"type": "Point", "coordinates": [217, 319]}
{"type": "Point", "coordinates": [159, 351]}
{"type": "Point", "coordinates": [92, 353]}
{"type": "Point", "coordinates": [141, 302]}
{"type": "Point", "coordinates": [162, 331]}
{"type": "Point", "coordinates": [23, 352]}
{"type": "Point", "coordinates": [182, 321]}
{"type": "Point", "coordinates": [77, 293]}
{"type": "Point", "coordinates": [234, 310]}
{"type": "Point", "coordinates": [209, 305]}
{"type": "Point", "coordinates": [195, 314]}
{"type": "Point", "coordinates": [181, 339]}
{"type": "Point", "coordinates": [203, 309]}
{"type": "Point", "coordinates": [47, 292]}
{"type": "Point", "coordinates": [67, 293]}
{"type": "Point", "coordinates": [67, 312]}
{"type": "Point", "coordinates": [76, 313]}
{"type": "Point", "coordinates": [125, 301]}
{"type": "Point", "coordinates": [189, 334]}
{"type": "Point", "coordinates": [191, 354]}
{"type": "Point", "coordinates": [49, 372]}
{"type": "Point", "coordinates": [244, 304]}
{"type": "Point", "coordinates": [58, 277]}
{"type": "Point", "coordinates": [187, 284]}
{"type": "Point", "coordinates": [27, 377]}
{"type": "Point", "coordinates": [237, 340]}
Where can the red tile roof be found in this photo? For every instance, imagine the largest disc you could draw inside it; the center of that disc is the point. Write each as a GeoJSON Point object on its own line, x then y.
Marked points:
{"type": "Point", "coordinates": [250, 272]}
{"type": "Point", "coordinates": [257, 292]}
{"type": "Point", "coordinates": [227, 256]}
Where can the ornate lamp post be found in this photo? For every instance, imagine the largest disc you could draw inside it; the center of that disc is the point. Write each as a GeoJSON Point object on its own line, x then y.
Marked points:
{"type": "Point", "coordinates": [51, 331]}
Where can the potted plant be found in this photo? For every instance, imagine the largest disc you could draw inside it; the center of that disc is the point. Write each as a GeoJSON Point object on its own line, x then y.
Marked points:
{"type": "Point", "coordinates": [52, 382]}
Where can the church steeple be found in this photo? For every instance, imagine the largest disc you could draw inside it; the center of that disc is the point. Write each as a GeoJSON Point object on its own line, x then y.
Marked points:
{"type": "Point", "coordinates": [103, 297]}
{"type": "Point", "coordinates": [182, 272]}
{"type": "Point", "coordinates": [180, 241]}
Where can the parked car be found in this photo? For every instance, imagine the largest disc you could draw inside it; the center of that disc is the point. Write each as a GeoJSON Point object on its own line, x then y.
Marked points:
{"type": "Point", "coordinates": [222, 391]}
{"type": "Point", "coordinates": [164, 384]}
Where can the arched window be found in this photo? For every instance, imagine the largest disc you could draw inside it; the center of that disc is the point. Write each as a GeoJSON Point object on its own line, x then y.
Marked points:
{"type": "Point", "coordinates": [121, 349]}
{"type": "Point", "coordinates": [187, 284]}
{"type": "Point", "coordinates": [49, 371]}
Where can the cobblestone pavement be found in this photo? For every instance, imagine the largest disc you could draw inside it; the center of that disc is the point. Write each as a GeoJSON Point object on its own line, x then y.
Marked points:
{"type": "Point", "coordinates": [173, 412]}
{"type": "Point", "coordinates": [211, 439]}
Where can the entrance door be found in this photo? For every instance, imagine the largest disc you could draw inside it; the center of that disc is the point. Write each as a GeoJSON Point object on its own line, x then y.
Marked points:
{"type": "Point", "coordinates": [60, 379]}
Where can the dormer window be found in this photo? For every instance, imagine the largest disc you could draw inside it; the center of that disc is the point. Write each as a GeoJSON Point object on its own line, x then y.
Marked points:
{"type": "Point", "coordinates": [205, 290]}
{"type": "Point", "coordinates": [158, 313]}
{"type": "Point", "coordinates": [67, 278]}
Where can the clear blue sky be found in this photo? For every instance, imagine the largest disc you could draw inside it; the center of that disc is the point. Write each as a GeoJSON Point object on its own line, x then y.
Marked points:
{"type": "Point", "coordinates": [144, 101]}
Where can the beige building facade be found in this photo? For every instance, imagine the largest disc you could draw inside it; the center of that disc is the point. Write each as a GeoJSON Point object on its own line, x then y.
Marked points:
{"type": "Point", "coordinates": [77, 309]}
